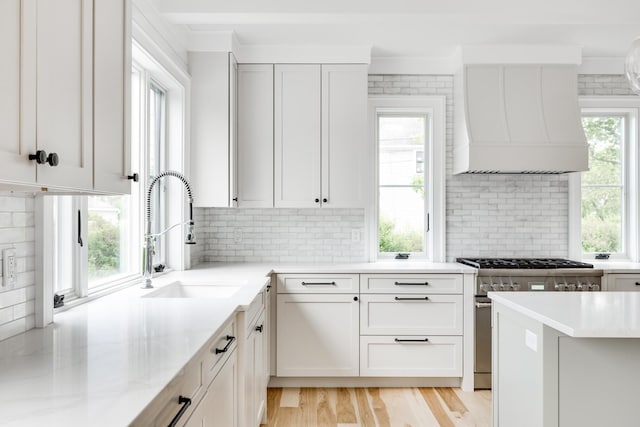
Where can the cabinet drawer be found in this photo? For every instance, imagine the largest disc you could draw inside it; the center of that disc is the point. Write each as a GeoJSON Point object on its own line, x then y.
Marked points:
{"type": "Point", "coordinates": [318, 283]}
{"type": "Point", "coordinates": [392, 357]}
{"type": "Point", "coordinates": [412, 283]}
{"type": "Point", "coordinates": [215, 354]}
{"type": "Point", "coordinates": [410, 314]}
{"type": "Point", "coordinates": [623, 282]}
{"type": "Point", "coordinates": [165, 406]}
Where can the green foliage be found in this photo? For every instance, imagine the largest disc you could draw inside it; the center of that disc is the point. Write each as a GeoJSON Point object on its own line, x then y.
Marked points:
{"type": "Point", "coordinates": [602, 206]}
{"type": "Point", "coordinates": [104, 246]}
{"type": "Point", "coordinates": [418, 181]}
{"type": "Point", "coordinates": [392, 240]}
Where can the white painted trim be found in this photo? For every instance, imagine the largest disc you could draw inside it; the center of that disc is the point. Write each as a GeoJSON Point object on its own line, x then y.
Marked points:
{"type": "Point", "coordinates": [211, 41]}
{"type": "Point", "coordinates": [44, 245]}
{"type": "Point", "coordinates": [520, 54]}
{"type": "Point", "coordinates": [435, 106]}
{"type": "Point", "coordinates": [364, 382]}
{"type": "Point", "coordinates": [305, 54]}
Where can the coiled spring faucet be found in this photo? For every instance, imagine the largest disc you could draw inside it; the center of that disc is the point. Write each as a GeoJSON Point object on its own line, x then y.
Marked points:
{"type": "Point", "coordinates": [150, 239]}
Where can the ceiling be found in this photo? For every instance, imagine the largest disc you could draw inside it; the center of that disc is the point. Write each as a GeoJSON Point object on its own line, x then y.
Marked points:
{"type": "Point", "coordinates": [415, 28]}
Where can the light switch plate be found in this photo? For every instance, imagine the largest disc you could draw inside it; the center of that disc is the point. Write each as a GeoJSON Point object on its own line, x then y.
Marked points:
{"type": "Point", "coordinates": [9, 267]}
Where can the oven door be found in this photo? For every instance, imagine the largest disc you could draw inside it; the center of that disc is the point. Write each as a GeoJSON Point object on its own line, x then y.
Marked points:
{"type": "Point", "coordinates": [482, 366]}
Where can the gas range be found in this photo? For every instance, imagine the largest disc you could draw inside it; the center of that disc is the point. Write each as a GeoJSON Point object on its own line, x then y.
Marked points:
{"type": "Point", "coordinates": [533, 274]}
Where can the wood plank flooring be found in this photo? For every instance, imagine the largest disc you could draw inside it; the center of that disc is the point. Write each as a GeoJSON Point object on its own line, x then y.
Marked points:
{"type": "Point", "coordinates": [378, 407]}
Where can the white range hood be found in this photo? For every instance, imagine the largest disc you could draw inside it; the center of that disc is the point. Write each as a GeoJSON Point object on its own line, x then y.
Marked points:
{"type": "Point", "coordinates": [517, 111]}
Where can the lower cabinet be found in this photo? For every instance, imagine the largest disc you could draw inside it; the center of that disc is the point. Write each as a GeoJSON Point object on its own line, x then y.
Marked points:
{"type": "Point", "coordinates": [219, 406]}
{"type": "Point", "coordinates": [255, 392]}
{"type": "Point", "coordinates": [318, 335]}
{"type": "Point", "coordinates": [623, 282]}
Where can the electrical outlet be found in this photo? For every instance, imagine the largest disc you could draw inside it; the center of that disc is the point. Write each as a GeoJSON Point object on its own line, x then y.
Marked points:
{"type": "Point", "coordinates": [355, 235]}
{"type": "Point", "coordinates": [237, 235]}
{"type": "Point", "coordinates": [9, 267]}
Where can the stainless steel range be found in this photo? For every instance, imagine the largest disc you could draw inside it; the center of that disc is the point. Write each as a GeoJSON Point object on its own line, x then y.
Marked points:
{"type": "Point", "coordinates": [518, 275]}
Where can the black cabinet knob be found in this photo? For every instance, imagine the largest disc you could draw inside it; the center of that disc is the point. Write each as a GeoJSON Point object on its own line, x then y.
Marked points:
{"type": "Point", "coordinates": [325, 200]}
{"type": "Point", "coordinates": [259, 328]}
{"type": "Point", "coordinates": [135, 177]}
{"type": "Point", "coordinates": [235, 199]}
{"type": "Point", "coordinates": [355, 298]}
{"type": "Point", "coordinates": [317, 200]}
{"type": "Point", "coordinates": [40, 157]}
{"type": "Point", "coordinates": [53, 159]}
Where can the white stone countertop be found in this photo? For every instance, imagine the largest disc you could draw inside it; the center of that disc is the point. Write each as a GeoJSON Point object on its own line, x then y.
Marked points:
{"type": "Point", "coordinates": [611, 267]}
{"type": "Point", "coordinates": [101, 363]}
{"type": "Point", "coordinates": [579, 314]}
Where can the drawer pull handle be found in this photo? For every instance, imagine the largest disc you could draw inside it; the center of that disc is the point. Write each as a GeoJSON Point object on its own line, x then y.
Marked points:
{"type": "Point", "coordinates": [319, 284]}
{"type": "Point", "coordinates": [230, 339]}
{"type": "Point", "coordinates": [412, 298]}
{"type": "Point", "coordinates": [260, 328]}
{"type": "Point", "coordinates": [185, 402]}
{"type": "Point", "coordinates": [268, 288]}
{"type": "Point", "coordinates": [483, 305]}
{"type": "Point", "coordinates": [637, 283]}
{"type": "Point", "coordinates": [411, 284]}
{"type": "Point", "coordinates": [420, 340]}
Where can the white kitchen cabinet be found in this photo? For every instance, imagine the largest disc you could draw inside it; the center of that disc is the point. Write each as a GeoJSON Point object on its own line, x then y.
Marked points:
{"type": "Point", "coordinates": [219, 405]}
{"type": "Point", "coordinates": [320, 121]}
{"type": "Point", "coordinates": [411, 356]}
{"type": "Point", "coordinates": [61, 59]}
{"type": "Point", "coordinates": [297, 123]}
{"type": "Point", "coordinates": [213, 127]}
{"type": "Point", "coordinates": [318, 335]}
{"type": "Point", "coordinates": [255, 386]}
{"type": "Point", "coordinates": [255, 136]}
{"type": "Point", "coordinates": [410, 314]}
{"type": "Point", "coordinates": [112, 96]}
{"type": "Point", "coordinates": [623, 282]}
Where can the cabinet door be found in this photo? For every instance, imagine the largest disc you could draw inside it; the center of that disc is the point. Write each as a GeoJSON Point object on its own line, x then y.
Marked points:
{"type": "Point", "coordinates": [344, 135]}
{"type": "Point", "coordinates": [17, 90]}
{"type": "Point", "coordinates": [256, 386]}
{"type": "Point", "coordinates": [255, 135]}
{"type": "Point", "coordinates": [210, 126]}
{"type": "Point", "coordinates": [218, 407]}
{"type": "Point", "coordinates": [297, 135]}
{"type": "Point", "coordinates": [64, 96]}
{"type": "Point", "coordinates": [623, 282]}
{"type": "Point", "coordinates": [317, 335]}
{"type": "Point", "coordinates": [112, 101]}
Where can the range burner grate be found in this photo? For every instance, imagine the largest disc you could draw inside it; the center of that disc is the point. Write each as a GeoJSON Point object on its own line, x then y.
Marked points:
{"type": "Point", "coordinates": [523, 263]}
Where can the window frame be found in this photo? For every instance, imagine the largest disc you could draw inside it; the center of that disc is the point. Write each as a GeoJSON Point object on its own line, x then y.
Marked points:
{"type": "Point", "coordinates": [630, 109]}
{"type": "Point", "coordinates": [434, 107]}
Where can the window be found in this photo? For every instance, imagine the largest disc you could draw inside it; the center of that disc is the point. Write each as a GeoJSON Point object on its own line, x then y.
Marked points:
{"type": "Point", "coordinates": [97, 240]}
{"type": "Point", "coordinates": [408, 204]}
{"type": "Point", "coordinates": [603, 186]}
{"type": "Point", "coordinates": [402, 140]}
{"type": "Point", "coordinates": [604, 199]}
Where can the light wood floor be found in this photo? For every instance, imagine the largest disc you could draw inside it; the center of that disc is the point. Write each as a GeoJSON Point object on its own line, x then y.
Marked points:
{"type": "Point", "coordinates": [378, 407]}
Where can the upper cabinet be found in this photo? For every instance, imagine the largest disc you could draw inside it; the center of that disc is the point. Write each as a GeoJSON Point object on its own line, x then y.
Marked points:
{"type": "Point", "coordinates": [63, 94]}
{"type": "Point", "coordinates": [255, 136]}
{"type": "Point", "coordinates": [213, 99]}
{"type": "Point", "coordinates": [320, 135]}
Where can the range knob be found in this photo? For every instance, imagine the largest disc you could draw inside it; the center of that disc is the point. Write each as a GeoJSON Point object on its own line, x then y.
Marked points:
{"type": "Point", "coordinates": [484, 287]}
{"type": "Point", "coordinates": [571, 286]}
{"type": "Point", "coordinates": [495, 286]}
{"type": "Point", "coordinates": [515, 286]}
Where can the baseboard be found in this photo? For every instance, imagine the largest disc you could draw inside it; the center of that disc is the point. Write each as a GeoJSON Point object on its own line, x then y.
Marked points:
{"type": "Point", "coordinates": [362, 382]}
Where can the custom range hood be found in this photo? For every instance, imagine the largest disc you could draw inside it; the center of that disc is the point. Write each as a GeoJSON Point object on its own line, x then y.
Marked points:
{"type": "Point", "coordinates": [516, 110]}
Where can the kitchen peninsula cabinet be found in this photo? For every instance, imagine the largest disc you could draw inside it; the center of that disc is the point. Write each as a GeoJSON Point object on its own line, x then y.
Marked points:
{"type": "Point", "coordinates": [320, 135]}
{"type": "Point", "coordinates": [623, 282]}
{"type": "Point", "coordinates": [64, 96]}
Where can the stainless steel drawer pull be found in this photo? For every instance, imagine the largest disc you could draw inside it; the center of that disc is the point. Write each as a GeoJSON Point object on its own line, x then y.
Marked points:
{"type": "Point", "coordinates": [185, 402]}
{"type": "Point", "coordinates": [483, 305]}
{"type": "Point", "coordinates": [230, 339]}
{"type": "Point", "coordinates": [412, 299]}
{"type": "Point", "coordinates": [411, 284]}
{"type": "Point", "coordinates": [319, 284]}
{"type": "Point", "coordinates": [420, 340]}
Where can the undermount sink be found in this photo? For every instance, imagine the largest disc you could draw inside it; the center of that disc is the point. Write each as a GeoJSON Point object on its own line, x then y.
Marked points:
{"type": "Point", "coordinates": [213, 289]}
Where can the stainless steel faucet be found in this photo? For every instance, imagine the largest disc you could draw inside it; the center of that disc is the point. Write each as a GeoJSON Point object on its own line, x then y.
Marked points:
{"type": "Point", "coordinates": [150, 239]}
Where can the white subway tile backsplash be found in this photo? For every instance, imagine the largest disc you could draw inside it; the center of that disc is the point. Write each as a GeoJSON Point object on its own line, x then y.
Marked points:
{"type": "Point", "coordinates": [17, 230]}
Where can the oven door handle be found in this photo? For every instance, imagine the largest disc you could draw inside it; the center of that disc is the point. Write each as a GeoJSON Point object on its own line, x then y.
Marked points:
{"type": "Point", "coordinates": [483, 305]}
